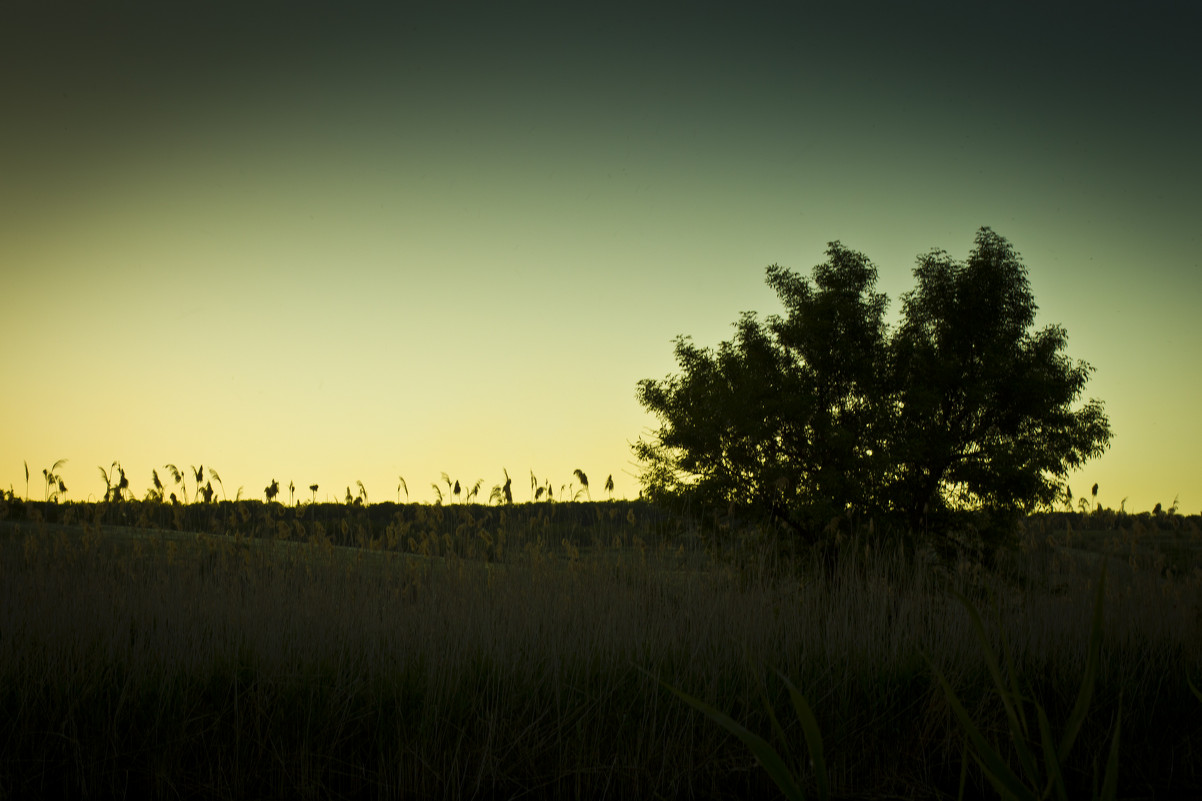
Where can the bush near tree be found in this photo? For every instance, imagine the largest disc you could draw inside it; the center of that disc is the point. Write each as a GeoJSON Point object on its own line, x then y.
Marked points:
{"type": "Point", "coordinates": [963, 411]}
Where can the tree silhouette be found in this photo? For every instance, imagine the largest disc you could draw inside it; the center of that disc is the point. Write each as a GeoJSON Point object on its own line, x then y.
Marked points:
{"type": "Point", "coordinates": [983, 403]}
{"type": "Point", "coordinates": [824, 413]}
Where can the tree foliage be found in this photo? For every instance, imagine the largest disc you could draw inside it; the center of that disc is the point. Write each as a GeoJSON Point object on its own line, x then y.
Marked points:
{"type": "Point", "coordinates": [825, 412]}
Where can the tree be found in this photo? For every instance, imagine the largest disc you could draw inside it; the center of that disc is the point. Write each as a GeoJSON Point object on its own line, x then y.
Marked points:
{"type": "Point", "coordinates": [783, 417]}
{"type": "Point", "coordinates": [823, 413]}
{"type": "Point", "coordinates": [984, 403]}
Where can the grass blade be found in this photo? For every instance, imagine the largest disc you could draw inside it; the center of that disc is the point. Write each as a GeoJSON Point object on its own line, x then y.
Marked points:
{"type": "Point", "coordinates": [1010, 697]}
{"type": "Point", "coordinates": [777, 730]}
{"type": "Point", "coordinates": [764, 753]}
{"type": "Point", "coordinates": [1050, 760]}
{"type": "Point", "coordinates": [1111, 781]}
{"type": "Point", "coordinates": [809, 727]}
{"type": "Point", "coordinates": [1077, 717]}
{"type": "Point", "coordinates": [996, 770]}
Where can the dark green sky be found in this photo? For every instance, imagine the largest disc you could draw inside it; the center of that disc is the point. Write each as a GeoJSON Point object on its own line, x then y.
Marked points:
{"type": "Point", "coordinates": [290, 239]}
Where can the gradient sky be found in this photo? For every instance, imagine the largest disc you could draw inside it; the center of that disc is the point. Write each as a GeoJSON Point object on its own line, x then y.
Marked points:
{"type": "Point", "coordinates": [343, 242]}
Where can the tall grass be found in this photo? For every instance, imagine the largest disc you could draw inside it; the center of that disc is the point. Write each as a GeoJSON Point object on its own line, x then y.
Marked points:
{"type": "Point", "coordinates": [213, 665]}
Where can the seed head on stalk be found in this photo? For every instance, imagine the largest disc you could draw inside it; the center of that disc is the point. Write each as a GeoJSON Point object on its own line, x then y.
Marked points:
{"type": "Point", "coordinates": [178, 478]}
{"type": "Point", "coordinates": [213, 475]}
{"type": "Point", "coordinates": [52, 480]}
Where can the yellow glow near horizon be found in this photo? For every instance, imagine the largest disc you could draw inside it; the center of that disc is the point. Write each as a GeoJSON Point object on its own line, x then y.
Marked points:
{"type": "Point", "coordinates": [330, 256]}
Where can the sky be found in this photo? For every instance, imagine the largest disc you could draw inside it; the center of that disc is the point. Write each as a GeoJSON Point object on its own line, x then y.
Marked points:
{"type": "Point", "coordinates": [330, 243]}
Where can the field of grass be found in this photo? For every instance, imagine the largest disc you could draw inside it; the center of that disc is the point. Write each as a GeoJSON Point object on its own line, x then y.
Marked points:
{"type": "Point", "coordinates": [246, 650]}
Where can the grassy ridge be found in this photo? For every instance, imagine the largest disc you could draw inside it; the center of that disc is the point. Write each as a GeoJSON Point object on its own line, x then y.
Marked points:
{"type": "Point", "coordinates": [230, 665]}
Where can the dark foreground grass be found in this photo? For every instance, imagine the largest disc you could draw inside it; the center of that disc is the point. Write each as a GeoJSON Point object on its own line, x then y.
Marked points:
{"type": "Point", "coordinates": [206, 666]}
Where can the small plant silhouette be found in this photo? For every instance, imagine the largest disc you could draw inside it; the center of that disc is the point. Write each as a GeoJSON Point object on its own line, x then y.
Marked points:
{"type": "Point", "coordinates": [53, 481]}
{"type": "Point", "coordinates": [213, 475]}
{"type": "Point", "coordinates": [115, 482]}
{"type": "Point", "coordinates": [272, 490]}
{"type": "Point", "coordinates": [475, 490]}
{"type": "Point", "coordinates": [609, 486]}
{"type": "Point", "coordinates": [583, 479]}
{"type": "Point", "coordinates": [291, 492]}
{"type": "Point", "coordinates": [362, 497]}
{"type": "Point", "coordinates": [178, 477]}
{"type": "Point", "coordinates": [313, 489]}
{"type": "Point", "coordinates": [401, 485]}
{"type": "Point", "coordinates": [502, 493]}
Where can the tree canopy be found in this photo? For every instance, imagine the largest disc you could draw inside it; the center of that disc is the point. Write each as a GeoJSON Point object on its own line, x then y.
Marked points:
{"type": "Point", "coordinates": [825, 412]}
